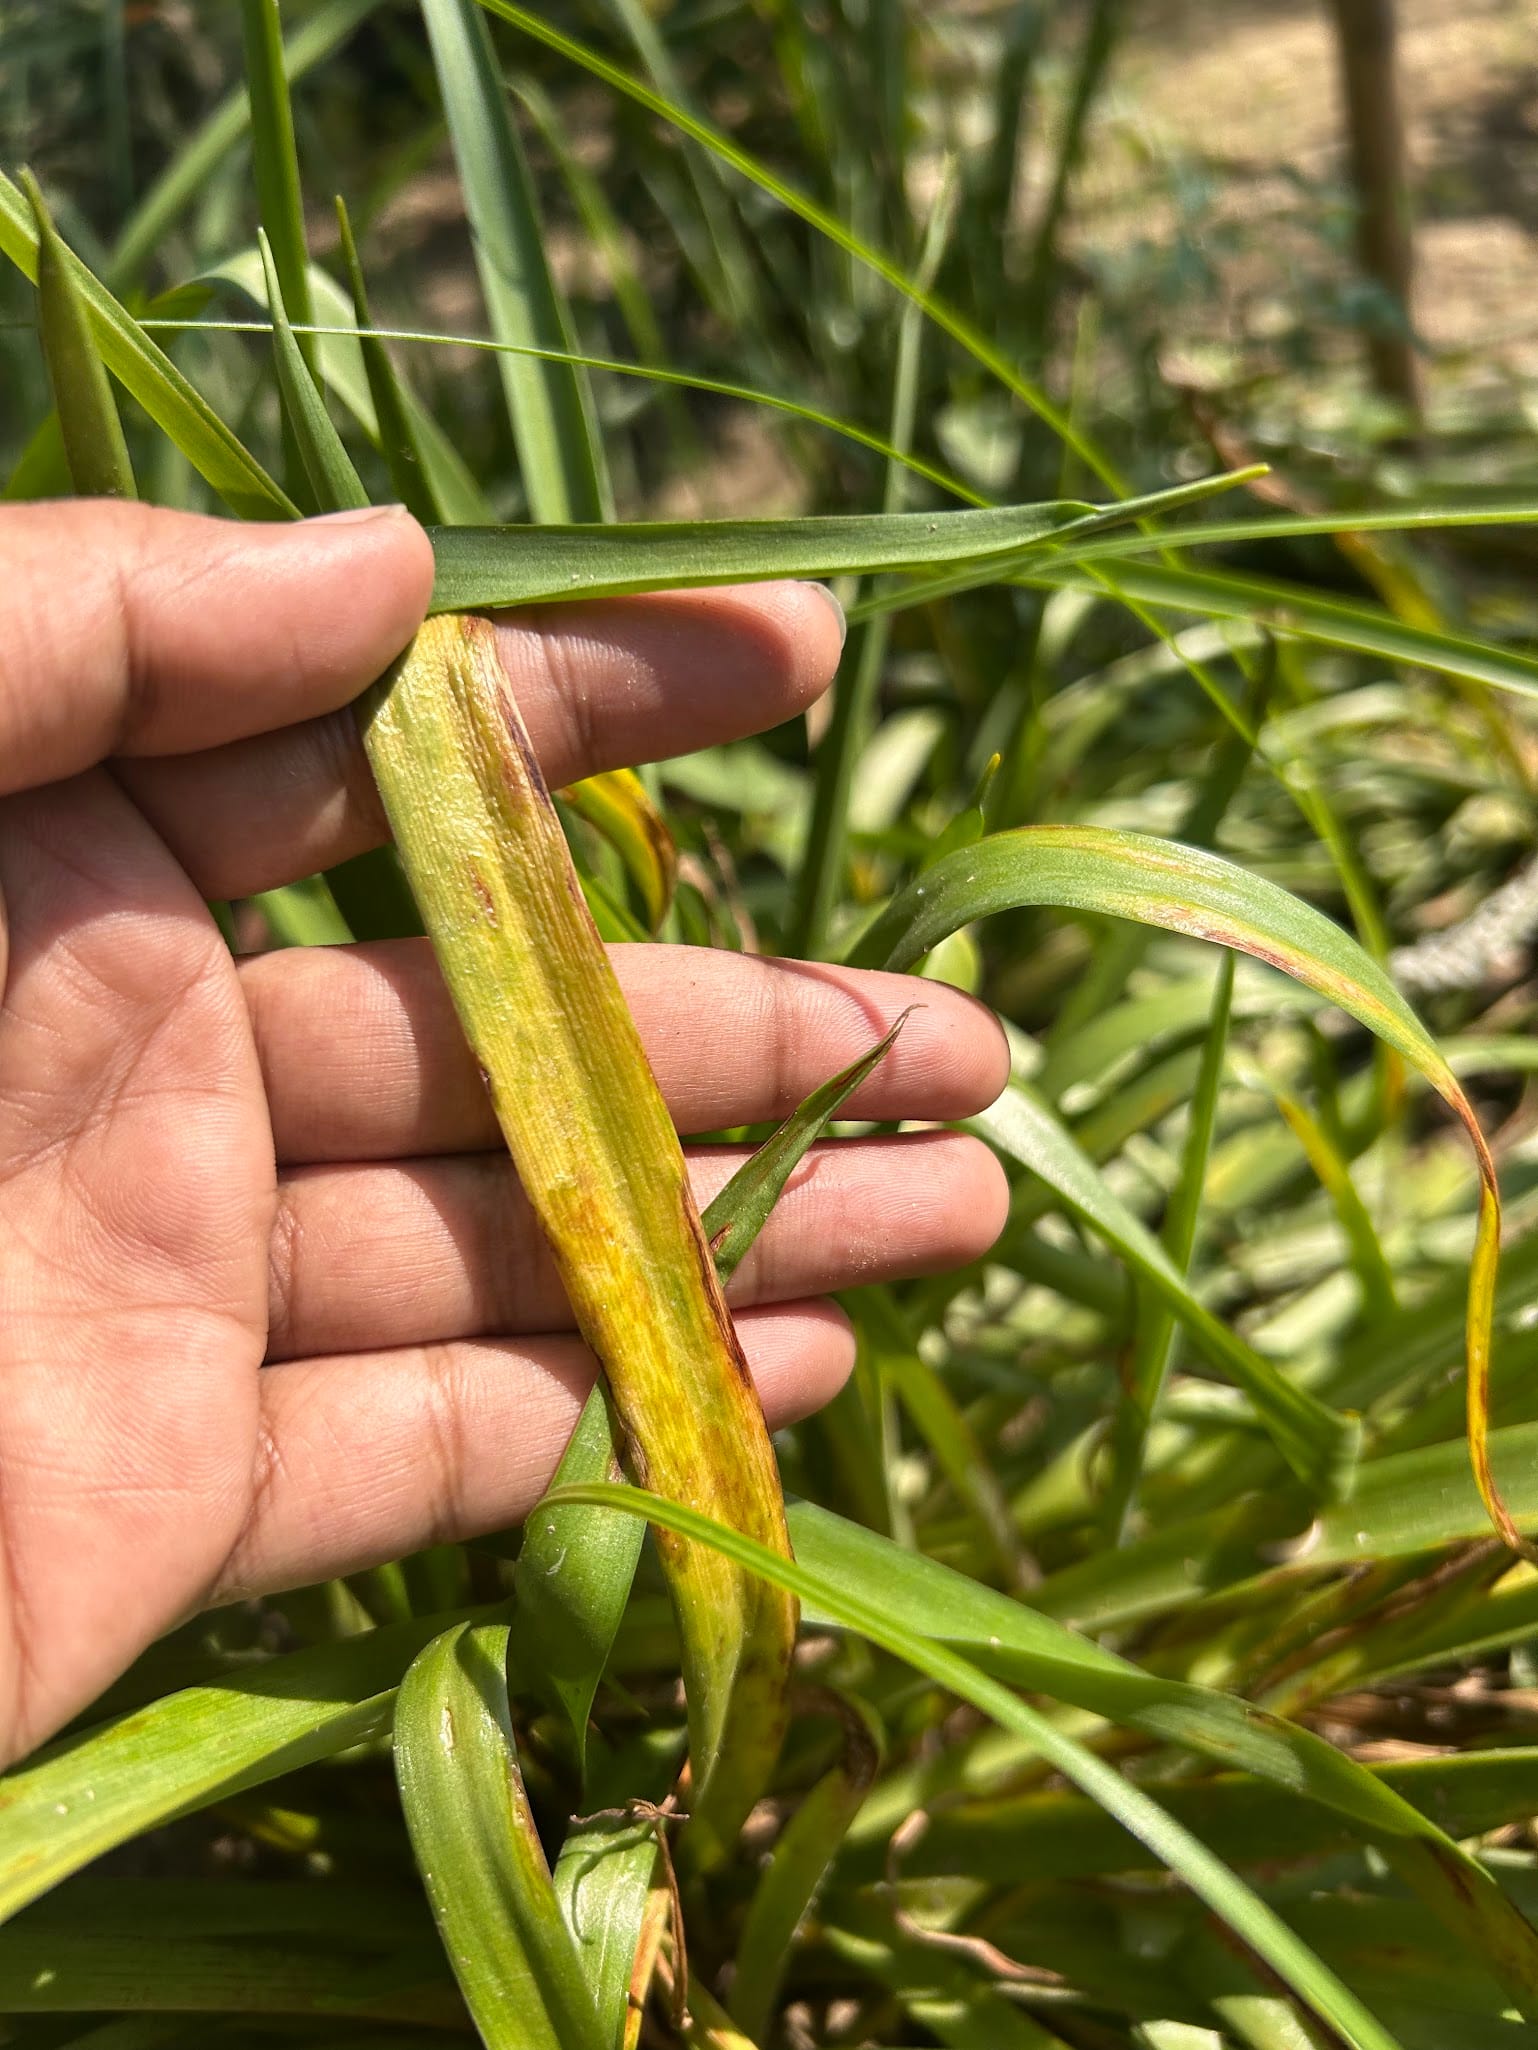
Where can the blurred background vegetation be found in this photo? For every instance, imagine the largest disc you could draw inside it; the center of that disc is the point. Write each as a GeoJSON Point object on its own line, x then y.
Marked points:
{"type": "Point", "coordinates": [1153, 206]}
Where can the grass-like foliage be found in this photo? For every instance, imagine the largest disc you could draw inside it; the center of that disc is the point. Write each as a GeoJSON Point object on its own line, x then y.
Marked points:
{"type": "Point", "coordinates": [1142, 1661]}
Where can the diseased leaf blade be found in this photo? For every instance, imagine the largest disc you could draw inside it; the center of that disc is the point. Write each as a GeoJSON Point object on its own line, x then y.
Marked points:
{"type": "Point", "coordinates": [601, 1163]}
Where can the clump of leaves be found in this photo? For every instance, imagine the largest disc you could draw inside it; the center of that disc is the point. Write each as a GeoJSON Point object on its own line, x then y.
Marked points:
{"type": "Point", "coordinates": [1123, 1554]}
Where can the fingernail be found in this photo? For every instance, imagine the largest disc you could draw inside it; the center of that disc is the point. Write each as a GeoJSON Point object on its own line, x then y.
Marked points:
{"type": "Point", "coordinates": [838, 610]}
{"type": "Point", "coordinates": [354, 515]}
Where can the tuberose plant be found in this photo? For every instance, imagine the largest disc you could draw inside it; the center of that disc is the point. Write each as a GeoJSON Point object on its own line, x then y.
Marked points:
{"type": "Point", "coordinates": [945, 1713]}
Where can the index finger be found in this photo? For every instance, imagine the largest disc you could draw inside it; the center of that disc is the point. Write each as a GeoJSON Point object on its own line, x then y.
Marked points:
{"type": "Point", "coordinates": [600, 683]}
{"type": "Point", "coordinates": [130, 629]}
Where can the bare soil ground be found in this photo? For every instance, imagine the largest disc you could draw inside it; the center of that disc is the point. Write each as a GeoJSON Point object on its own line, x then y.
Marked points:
{"type": "Point", "coordinates": [1236, 103]}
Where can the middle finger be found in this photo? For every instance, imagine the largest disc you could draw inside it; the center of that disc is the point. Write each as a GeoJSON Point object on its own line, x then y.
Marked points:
{"type": "Point", "coordinates": [363, 1057]}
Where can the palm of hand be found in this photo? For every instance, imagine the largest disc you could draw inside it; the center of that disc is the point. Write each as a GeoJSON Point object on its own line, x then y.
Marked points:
{"type": "Point", "coordinates": [271, 1306]}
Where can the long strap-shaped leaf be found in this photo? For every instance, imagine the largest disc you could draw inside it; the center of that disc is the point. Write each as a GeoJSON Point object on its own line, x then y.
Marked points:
{"type": "Point", "coordinates": [1251, 1918]}
{"type": "Point", "coordinates": [148, 373]}
{"type": "Point", "coordinates": [597, 1153]}
{"type": "Point", "coordinates": [526, 565]}
{"type": "Point", "coordinates": [1014, 1643]}
{"type": "Point", "coordinates": [1319, 1443]}
{"type": "Point", "coordinates": [88, 1793]}
{"type": "Point", "coordinates": [1184, 890]}
{"type": "Point", "coordinates": [559, 450]}
{"type": "Point", "coordinates": [479, 1851]}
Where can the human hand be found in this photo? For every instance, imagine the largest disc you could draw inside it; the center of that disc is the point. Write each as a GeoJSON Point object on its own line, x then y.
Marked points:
{"type": "Point", "coordinates": [272, 1307]}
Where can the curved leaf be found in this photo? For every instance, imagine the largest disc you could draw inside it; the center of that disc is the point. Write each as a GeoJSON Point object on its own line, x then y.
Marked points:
{"type": "Point", "coordinates": [1185, 890]}
{"type": "Point", "coordinates": [478, 1851]}
{"type": "Point", "coordinates": [1011, 1641]}
{"type": "Point", "coordinates": [616, 802]}
{"type": "Point", "coordinates": [1250, 1917]}
{"type": "Point", "coordinates": [90, 1792]}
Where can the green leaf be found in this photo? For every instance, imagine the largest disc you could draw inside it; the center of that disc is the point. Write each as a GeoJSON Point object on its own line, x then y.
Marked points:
{"type": "Point", "coordinates": [187, 174]}
{"type": "Point", "coordinates": [1156, 1330]}
{"type": "Point", "coordinates": [90, 1792]}
{"type": "Point", "coordinates": [606, 232]}
{"type": "Point", "coordinates": [328, 466]}
{"type": "Point", "coordinates": [92, 433]}
{"type": "Point", "coordinates": [827, 224]}
{"type": "Point", "coordinates": [524, 565]}
{"type": "Point", "coordinates": [573, 1577]}
{"type": "Point", "coordinates": [739, 1213]}
{"type": "Point", "coordinates": [479, 1852]}
{"type": "Point", "coordinates": [1184, 890]}
{"type": "Point", "coordinates": [1010, 1641]}
{"type": "Point", "coordinates": [820, 880]}
{"type": "Point", "coordinates": [1242, 1818]}
{"type": "Point", "coordinates": [304, 915]}
{"type": "Point", "coordinates": [551, 408]}
{"type": "Point", "coordinates": [1423, 1500]}
{"type": "Point", "coordinates": [804, 1850]}
{"type": "Point", "coordinates": [1319, 1443]}
{"type": "Point", "coordinates": [1245, 1913]}
{"type": "Point", "coordinates": [605, 1873]}
{"type": "Point", "coordinates": [144, 370]}
{"type": "Point", "coordinates": [1293, 611]}
{"type": "Point", "coordinates": [409, 471]}
{"type": "Point", "coordinates": [76, 1971]}
{"type": "Point", "coordinates": [275, 162]}
{"type": "Point", "coordinates": [1392, 519]}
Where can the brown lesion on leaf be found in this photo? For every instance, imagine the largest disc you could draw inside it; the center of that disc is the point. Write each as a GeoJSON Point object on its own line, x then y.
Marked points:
{"type": "Point", "coordinates": [488, 904]}
{"type": "Point", "coordinates": [710, 1286]}
{"type": "Point", "coordinates": [517, 733]}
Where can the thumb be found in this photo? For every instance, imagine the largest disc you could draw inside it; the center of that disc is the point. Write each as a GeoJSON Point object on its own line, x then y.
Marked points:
{"type": "Point", "coordinates": [128, 629]}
